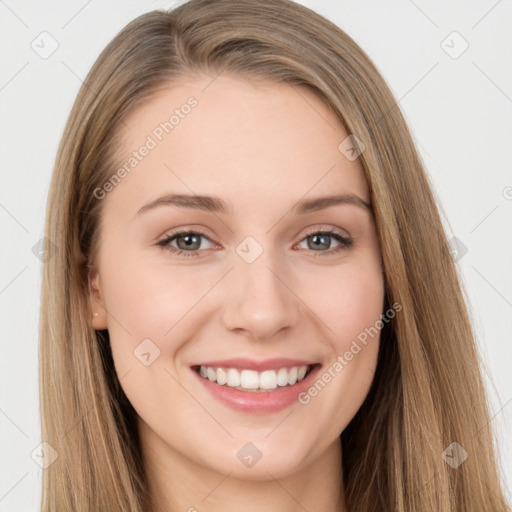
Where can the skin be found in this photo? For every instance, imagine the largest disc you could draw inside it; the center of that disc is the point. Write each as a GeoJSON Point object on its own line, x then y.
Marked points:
{"type": "Point", "coordinates": [260, 146]}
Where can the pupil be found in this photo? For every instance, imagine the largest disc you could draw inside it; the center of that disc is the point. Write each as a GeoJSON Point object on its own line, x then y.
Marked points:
{"type": "Point", "coordinates": [189, 240]}
{"type": "Point", "coordinates": [317, 237]}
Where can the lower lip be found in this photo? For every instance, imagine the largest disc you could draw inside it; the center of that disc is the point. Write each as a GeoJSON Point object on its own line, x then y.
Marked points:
{"type": "Point", "coordinates": [261, 402]}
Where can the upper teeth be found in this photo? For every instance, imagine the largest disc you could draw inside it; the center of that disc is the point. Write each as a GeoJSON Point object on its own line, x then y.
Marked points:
{"type": "Point", "coordinates": [251, 379]}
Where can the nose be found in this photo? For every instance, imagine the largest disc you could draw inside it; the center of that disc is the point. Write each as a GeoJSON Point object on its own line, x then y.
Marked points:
{"type": "Point", "coordinates": [260, 301]}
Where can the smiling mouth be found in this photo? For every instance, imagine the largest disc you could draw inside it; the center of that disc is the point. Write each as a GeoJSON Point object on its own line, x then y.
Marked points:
{"type": "Point", "coordinates": [254, 381]}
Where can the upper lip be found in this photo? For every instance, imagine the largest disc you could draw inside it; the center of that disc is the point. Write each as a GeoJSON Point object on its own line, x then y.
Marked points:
{"type": "Point", "coordinates": [242, 363]}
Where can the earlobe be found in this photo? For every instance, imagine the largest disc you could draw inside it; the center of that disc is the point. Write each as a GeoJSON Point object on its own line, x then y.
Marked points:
{"type": "Point", "coordinates": [99, 314]}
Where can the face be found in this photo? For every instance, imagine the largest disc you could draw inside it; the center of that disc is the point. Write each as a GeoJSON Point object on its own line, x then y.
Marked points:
{"type": "Point", "coordinates": [252, 289]}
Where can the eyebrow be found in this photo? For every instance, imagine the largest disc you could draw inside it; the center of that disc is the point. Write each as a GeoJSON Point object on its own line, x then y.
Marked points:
{"type": "Point", "coordinates": [218, 205]}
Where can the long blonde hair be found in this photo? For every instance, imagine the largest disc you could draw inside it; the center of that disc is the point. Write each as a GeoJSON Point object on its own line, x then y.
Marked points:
{"type": "Point", "coordinates": [427, 391]}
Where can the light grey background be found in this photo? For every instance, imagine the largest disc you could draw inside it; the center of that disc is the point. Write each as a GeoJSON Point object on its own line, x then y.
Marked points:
{"type": "Point", "coordinates": [459, 110]}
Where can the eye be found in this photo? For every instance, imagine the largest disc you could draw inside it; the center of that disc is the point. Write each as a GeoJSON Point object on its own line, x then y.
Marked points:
{"type": "Point", "coordinates": [320, 240]}
{"type": "Point", "coordinates": [189, 242]}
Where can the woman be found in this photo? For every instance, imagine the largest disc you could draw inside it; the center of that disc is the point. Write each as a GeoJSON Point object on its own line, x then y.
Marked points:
{"type": "Point", "coordinates": [253, 302]}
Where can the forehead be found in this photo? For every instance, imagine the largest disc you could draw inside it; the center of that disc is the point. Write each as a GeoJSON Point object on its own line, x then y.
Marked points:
{"type": "Point", "coordinates": [237, 138]}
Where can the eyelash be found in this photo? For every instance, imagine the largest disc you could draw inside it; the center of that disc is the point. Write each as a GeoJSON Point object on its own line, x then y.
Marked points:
{"type": "Point", "coordinates": [345, 242]}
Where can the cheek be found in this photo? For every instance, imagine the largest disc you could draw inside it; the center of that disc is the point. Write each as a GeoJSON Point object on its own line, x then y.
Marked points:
{"type": "Point", "coordinates": [147, 313]}
{"type": "Point", "coordinates": [147, 298]}
{"type": "Point", "coordinates": [347, 299]}
{"type": "Point", "coordinates": [154, 309]}
{"type": "Point", "coordinates": [358, 306]}
{"type": "Point", "coordinates": [350, 310]}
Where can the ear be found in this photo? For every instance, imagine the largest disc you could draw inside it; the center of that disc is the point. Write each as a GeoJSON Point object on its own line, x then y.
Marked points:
{"type": "Point", "coordinates": [99, 318]}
